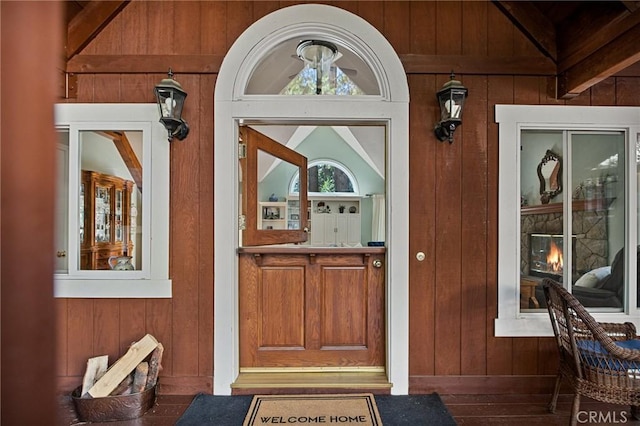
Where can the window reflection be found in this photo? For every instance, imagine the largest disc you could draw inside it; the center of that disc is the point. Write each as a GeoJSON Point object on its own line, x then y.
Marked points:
{"type": "Point", "coordinates": [274, 212]}
{"type": "Point", "coordinates": [110, 200]}
{"type": "Point", "coordinates": [588, 255]}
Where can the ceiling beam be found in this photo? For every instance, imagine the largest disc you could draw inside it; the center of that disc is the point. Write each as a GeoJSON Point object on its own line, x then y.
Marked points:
{"type": "Point", "coordinates": [533, 24]}
{"type": "Point", "coordinates": [631, 6]}
{"type": "Point", "coordinates": [145, 64]}
{"type": "Point", "coordinates": [129, 157]}
{"type": "Point", "coordinates": [84, 27]}
{"type": "Point", "coordinates": [210, 64]}
{"type": "Point", "coordinates": [590, 30]}
{"type": "Point", "coordinates": [611, 58]}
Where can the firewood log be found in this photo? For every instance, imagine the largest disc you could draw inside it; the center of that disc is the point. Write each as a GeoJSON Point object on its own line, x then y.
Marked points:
{"type": "Point", "coordinates": [123, 386]}
{"type": "Point", "coordinates": [140, 377]}
{"type": "Point", "coordinates": [155, 365]}
{"type": "Point", "coordinates": [96, 367]}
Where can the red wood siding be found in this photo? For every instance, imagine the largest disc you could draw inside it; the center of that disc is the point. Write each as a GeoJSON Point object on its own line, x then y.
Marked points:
{"type": "Point", "coordinates": [453, 198]}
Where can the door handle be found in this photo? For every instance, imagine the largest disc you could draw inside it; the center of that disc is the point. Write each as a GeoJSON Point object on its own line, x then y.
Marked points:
{"type": "Point", "coordinates": [61, 253]}
{"type": "Point", "coordinates": [377, 263]}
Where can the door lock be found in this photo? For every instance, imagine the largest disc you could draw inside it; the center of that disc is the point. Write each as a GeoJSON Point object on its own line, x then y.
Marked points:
{"type": "Point", "coordinates": [377, 263]}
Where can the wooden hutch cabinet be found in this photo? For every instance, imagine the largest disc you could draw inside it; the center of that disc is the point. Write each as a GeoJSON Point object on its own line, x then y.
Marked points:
{"type": "Point", "coordinates": [105, 203]}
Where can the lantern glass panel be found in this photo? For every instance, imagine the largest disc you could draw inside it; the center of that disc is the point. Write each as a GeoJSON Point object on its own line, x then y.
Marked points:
{"type": "Point", "coordinates": [451, 104]}
{"type": "Point", "coordinates": [170, 102]}
{"type": "Point", "coordinates": [458, 98]}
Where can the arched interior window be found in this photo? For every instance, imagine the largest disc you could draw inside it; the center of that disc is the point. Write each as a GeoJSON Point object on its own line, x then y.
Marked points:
{"type": "Point", "coordinates": [327, 177]}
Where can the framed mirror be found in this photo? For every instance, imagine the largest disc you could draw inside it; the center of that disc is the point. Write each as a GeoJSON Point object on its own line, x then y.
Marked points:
{"type": "Point", "coordinates": [550, 176]}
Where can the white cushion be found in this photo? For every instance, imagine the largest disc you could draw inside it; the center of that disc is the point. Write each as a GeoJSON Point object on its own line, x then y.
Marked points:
{"type": "Point", "coordinates": [593, 277]}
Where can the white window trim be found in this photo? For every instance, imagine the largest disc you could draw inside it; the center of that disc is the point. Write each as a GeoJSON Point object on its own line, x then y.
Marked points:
{"type": "Point", "coordinates": [512, 119]}
{"type": "Point", "coordinates": [153, 280]}
{"type": "Point", "coordinates": [391, 109]}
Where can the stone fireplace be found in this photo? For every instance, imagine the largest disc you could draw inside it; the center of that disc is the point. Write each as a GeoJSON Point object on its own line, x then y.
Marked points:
{"type": "Point", "coordinates": [590, 236]}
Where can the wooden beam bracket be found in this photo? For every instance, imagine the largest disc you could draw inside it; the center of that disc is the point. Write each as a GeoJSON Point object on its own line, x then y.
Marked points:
{"type": "Point", "coordinates": [605, 62]}
{"type": "Point", "coordinates": [67, 85]}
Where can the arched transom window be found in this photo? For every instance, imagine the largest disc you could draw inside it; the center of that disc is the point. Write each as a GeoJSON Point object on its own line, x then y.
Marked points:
{"type": "Point", "coordinates": [305, 66]}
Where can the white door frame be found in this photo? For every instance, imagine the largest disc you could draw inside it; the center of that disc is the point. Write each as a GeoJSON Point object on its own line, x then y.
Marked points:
{"type": "Point", "coordinates": [231, 106]}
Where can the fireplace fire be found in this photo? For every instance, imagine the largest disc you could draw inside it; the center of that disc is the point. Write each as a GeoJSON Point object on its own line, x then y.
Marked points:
{"type": "Point", "coordinates": [554, 258]}
{"type": "Point", "coordinates": [546, 257]}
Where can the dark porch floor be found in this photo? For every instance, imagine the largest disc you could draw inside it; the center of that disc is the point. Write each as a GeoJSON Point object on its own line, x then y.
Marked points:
{"type": "Point", "coordinates": [514, 409]}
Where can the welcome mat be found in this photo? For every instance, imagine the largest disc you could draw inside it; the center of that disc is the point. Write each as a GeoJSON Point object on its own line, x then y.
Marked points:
{"type": "Point", "coordinates": [350, 409]}
{"type": "Point", "coordinates": [395, 410]}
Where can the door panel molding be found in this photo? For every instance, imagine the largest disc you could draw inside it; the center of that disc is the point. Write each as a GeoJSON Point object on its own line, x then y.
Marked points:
{"type": "Point", "coordinates": [320, 310]}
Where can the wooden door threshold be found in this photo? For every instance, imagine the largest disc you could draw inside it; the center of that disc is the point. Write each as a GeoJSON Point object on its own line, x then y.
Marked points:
{"type": "Point", "coordinates": [284, 380]}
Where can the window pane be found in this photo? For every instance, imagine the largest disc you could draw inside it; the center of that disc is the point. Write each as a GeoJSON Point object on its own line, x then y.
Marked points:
{"type": "Point", "coordinates": [272, 202]}
{"type": "Point", "coordinates": [311, 81]}
{"type": "Point", "coordinates": [541, 214]}
{"type": "Point", "coordinates": [637, 155]}
{"type": "Point", "coordinates": [598, 227]}
{"type": "Point", "coordinates": [282, 72]}
{"type": "Point", "coordinates": [110, 204]}
{"type": "Point", "coordinates": [62, 203]}
{"type": "Point", "coordinates": [327, 177]}
{"type": "Point", "coordinates": [588, 256]}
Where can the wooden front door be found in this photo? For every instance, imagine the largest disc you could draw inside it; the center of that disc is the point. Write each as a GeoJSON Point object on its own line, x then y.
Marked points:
{"type": "Point", "coordinates": [306, 307]}
{"type": "Point", "coordinates": [303, 306]}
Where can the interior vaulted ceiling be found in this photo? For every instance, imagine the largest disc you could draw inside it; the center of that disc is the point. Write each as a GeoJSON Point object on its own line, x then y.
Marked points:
{"type": "Point", "coordinates": [587, 41]}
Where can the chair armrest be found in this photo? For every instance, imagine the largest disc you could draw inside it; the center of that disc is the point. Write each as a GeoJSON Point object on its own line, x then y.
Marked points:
{"type": "Point", "coordinates": [619, 331]}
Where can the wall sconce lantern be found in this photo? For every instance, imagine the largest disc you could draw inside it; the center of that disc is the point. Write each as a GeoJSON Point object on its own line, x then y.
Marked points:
{"type": "Point", "coordinates": [451, 99]}
{"type": "Point", "coordinates": [170, 102]}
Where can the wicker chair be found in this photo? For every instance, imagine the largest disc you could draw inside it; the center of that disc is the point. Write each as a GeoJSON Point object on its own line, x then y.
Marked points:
{"type": "Point", "coordinates": [599, 360]}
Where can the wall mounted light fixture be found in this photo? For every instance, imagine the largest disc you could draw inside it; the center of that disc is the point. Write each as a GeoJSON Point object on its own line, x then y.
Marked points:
{"type": "Point", "coordinates": [451, 99]}
{"type": "Point", "coordinates": [171, 98]}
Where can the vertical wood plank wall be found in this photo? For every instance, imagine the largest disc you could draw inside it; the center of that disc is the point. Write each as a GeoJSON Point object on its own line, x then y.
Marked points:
{"type": "Point", "coordinates": [453, 192]}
